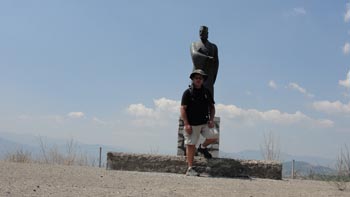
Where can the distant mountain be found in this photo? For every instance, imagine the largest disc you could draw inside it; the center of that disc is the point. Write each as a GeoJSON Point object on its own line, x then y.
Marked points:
{"type": "Point", "coordinates": [305, 169]}
{"type": "Point", "coordinates": [247, 154]}
{"type": "Point", "coordinates": [284, 157]}
{"type": "Point", "coordinates": [8, 146]}
{"type": "Point", "coordinates": [304, 165]}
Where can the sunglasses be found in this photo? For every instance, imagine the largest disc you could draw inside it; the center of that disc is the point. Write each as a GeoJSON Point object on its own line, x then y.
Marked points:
{"type": "Point", "coordinates": [199, 78]}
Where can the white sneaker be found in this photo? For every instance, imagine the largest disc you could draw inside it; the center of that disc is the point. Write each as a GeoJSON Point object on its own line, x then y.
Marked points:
{"type": "Point", "coordinates": [191, 172]}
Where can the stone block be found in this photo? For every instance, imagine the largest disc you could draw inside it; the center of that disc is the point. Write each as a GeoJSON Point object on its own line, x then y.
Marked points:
{"type": "Point", "coordinates": [215, 167]}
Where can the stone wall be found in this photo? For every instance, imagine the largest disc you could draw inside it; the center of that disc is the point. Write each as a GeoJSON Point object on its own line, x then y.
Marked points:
{"type": "Point", "coordinates": [213, 148]}
{"type": "Point", "coordinates": [215, 167]}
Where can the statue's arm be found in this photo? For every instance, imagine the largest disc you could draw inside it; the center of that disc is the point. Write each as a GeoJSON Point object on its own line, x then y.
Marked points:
{"type": "Point", "coordinates": [216, 55]}
{"type": "Point", "coordinates": [195, 52]}
{"type": "Point", "coordinates": [216, 59]}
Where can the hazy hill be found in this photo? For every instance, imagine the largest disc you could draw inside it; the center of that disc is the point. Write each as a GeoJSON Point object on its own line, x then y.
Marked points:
{"type": "Point", "coordinates": [304, 165]}
{"type": "Point", "coordinates": [8, 146]}
{"type": "Point", "coordinates": [284, 157]}
{"type": "Point", "coordinates": [305, 169]}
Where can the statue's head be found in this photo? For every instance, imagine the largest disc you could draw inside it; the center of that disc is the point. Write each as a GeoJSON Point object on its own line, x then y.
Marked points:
{"type": "Point", "coordinates": [203, 32]}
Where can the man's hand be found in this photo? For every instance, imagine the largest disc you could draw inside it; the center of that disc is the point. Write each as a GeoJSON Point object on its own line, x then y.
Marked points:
{"type": "Point", "coordinates": [188, 129]}
{"type": "Point", "coordinates": [211, 124]}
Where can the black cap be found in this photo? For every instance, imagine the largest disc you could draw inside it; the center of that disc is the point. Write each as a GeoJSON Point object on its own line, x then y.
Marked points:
{"type": "Point", "coordinates": [200, 72]}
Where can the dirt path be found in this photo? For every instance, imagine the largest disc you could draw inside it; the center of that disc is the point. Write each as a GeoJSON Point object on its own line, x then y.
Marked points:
{"type": "Point", "coordinates": [18, 179]}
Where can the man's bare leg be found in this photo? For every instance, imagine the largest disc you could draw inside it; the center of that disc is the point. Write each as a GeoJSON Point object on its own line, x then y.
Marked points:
{"type": "Point", "coordinates": [208, 141]}
{"type": "Point", "coordinates": [190, 154]}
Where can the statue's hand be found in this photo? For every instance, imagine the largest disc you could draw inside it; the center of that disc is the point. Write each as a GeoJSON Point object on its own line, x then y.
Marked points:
{"type": "Point", "coordinates": [211, 58]}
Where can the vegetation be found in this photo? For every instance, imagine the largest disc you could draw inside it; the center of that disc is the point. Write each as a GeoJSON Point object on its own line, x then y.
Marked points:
{"type": "Point", "coordinates": [340, 177]}
{"type": "Point", "coordinates": [270, 147]}
{"type": "Point", "coordinates": [52, 155]}
{"type": "Point", "coordinates": [19, 155]}
{"type": "Point", "coordinates": [343, 169]}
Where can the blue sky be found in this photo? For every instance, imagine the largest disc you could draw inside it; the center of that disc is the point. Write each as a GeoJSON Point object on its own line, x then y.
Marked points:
{"type": "Point", "coordinates": [113, 72]}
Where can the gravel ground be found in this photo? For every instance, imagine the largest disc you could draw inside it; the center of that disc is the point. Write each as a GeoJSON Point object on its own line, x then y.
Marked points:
{"type": "Point", "coordinates": [23, 179]}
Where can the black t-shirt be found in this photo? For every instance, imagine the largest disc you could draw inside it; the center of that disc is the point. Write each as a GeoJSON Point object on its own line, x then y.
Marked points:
{"type": "Point", "coordinates": [198, 102]}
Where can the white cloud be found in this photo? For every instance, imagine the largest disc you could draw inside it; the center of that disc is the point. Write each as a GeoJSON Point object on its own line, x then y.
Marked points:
{"type": "Point", "coordinates": [253, 117]}
{"type": "Point", "coordinates": [299, 11]}
{"type": "Point", "coordinates": [345, 82]}
{"type": "Point", "coordinates": [140, 110]}
{"type": "Point", "coordinates": [166, 110]}
{"type": "Point", "coordinates": [300, 89]}
{"type": "Point", "coordinates": [99, 121]}
{"type": "Point", "coordinates": [347, 13]}
{"type": "Point", "coordinates": [76, 114]}
{"type": "Point", "coordinates": [167, 105]}
{"type": "Point", "coordinates": [346, 48]}
{"type": "Point", "coordinates": [162, 105]}
{"type": "Point", "coordinates": [295, 86]}
{"type": "Point", "coordinates": [272, 84]}
{"type": "Point", "coordinates": [332, 107]}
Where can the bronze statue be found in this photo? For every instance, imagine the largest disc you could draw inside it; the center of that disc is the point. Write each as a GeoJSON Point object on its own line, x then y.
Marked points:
{"type": "Point", "coordinates": [205, 56]}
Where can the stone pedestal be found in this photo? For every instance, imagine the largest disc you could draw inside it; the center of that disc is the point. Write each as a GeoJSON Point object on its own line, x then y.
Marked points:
{"type": "Point", "coordinates": [215, 167]}
{"type": "Point", "coordinates": [181, 147]}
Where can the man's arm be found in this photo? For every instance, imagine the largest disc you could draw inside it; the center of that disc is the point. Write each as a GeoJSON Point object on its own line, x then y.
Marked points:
{"type": "Point", "coordinates": [212, 115]}
{"type": "Point", "coordinates": [187, 125]}
{"type": "Point", "coordinates": [212, 112]}
{"type": "Point", "coordinates": [183, 114]}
